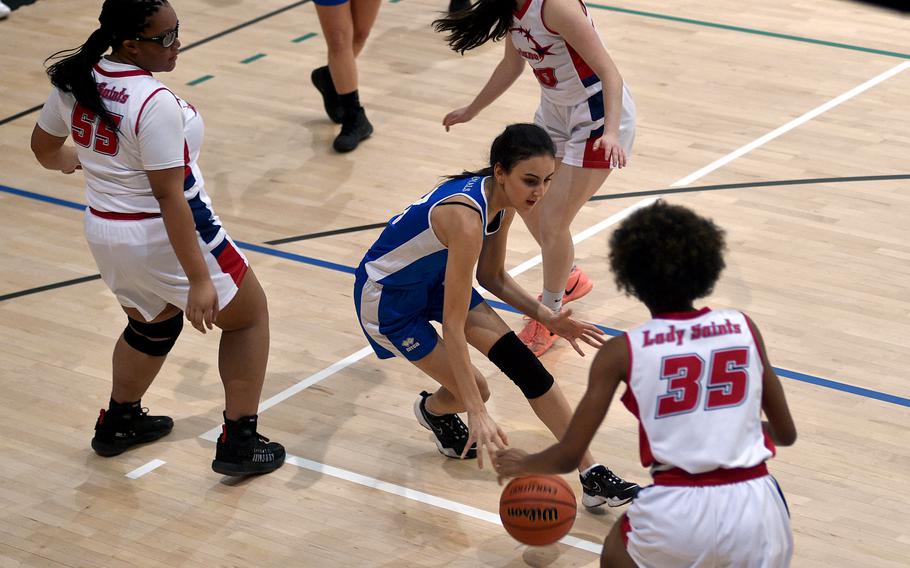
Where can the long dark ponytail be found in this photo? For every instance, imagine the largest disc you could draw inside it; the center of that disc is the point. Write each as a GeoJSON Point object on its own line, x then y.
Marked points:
{"type": "Point", "coordinates": [120, 20]}
{"type": "Point", "coordinates": [485, 20]}
{"type": "Point", "coordinates": [517, 142]}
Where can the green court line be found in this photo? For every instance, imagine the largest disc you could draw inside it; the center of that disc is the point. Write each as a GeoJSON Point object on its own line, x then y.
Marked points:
{"type": "Point", "coordinates": [253, 58]}
{"type": "Point", "coordinates": [200, 80]}
{"type": "Point", "coordinates": [750, 31]}
{"type": "Point", "coordinates": [304, 37]}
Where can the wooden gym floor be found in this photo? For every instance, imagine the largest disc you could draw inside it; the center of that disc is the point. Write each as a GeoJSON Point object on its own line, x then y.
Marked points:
{"type": "Point", "coordinates": [784, 121]}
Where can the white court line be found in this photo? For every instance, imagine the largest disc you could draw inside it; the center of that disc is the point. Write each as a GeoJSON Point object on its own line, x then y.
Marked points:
{"type": "Point", "coordinates": [791, 125]}
{"type": "Point", "coordinates": [422, 497]}
{"type": "Point", "coordinates": [142, 470]}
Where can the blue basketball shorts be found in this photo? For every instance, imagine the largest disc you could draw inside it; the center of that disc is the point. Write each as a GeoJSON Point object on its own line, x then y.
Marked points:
{"type": "Point", "coordinates": [396, 320]}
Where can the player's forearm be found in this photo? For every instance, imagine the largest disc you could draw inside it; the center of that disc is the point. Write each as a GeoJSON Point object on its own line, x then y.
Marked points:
{"type": "Point", "coordinates": [505, 74]}
{"type": "Point", "coordinates": [459, 359]}
{"type": "Point", "coordinates": [612, 85]}
{"type": "Point", "coordinates": [64, 158]}
{"type": "Point", "coordinates": [181, 232]}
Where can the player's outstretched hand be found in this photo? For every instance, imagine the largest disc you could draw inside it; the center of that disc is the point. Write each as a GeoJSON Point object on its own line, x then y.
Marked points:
{"type": "Point", "coordinates": [509, 463]}
{"type": "Point", "coordinates": [458, 116]}
{"type": "Point", "coordinates": [573, 330]}
{"type": "Point", "coordinates": [486, 433]}
{"type": "Point", "coordinates": [613, 152]}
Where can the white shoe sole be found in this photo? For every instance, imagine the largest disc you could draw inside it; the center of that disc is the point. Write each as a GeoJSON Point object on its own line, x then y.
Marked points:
{"type": "Point", "coordinates": [594, 501]}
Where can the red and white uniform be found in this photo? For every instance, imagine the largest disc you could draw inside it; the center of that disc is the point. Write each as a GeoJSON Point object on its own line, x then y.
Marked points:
{"type": "Point", "coordinates": [571, 102]}
{"type": "Point", "coordinates": [695, 385]}
{"type": "Point", "coordinates": [156, 130]}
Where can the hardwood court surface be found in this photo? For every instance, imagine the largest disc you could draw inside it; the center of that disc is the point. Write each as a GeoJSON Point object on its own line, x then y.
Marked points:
{"type": "Point", "coordinates": [822, 267]}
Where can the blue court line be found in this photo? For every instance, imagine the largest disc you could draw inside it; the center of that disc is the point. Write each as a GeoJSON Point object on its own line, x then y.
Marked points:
{"type": "Point", "coordinates": [818, 381]}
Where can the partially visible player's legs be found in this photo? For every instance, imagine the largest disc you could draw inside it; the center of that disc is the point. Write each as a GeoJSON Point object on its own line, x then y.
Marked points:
{"type": "Point", "coordinates": [550, 224]}
{"type": "Point", "coordinates": [614, 552]}
{"type": "Point", "coordinates": [242, 358]}
{"type": "Point", "coordinates": [345, 26]}
{"type": "Point", "coordinates": [139, 353]}
{"type": "Point", "coordinates": [489, 334]}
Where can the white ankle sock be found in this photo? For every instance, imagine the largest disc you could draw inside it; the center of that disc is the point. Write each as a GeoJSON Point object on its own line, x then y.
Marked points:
{"type": "Point", "coordinates": [553, 300]}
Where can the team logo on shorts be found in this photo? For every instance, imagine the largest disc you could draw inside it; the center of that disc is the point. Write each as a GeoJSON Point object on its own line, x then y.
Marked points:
{"type": "Point", "coordinates": [410, 344]}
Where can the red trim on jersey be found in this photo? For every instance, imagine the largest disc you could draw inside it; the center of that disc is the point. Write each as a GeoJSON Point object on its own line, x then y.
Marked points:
{"type": "Point", "coordinates": [679, 478]}
{"type": "Point", "coordinates": [682, 315]}
{"type": "Point", "coordinates": [582, 68]}
{"type": "Point", "coordinates": [594, 158]}
{"type": "Point", "coordinates": [231, 262]}
{"type": "Point", "coordinates": [519, 13]}
{"type": "Point", "coordinates": [147, 99]}
{"type": "Point", "coordinates": [187, 170]}
{"type": "Point", "coordinates": [136, 73]}
{"type": "Point", "coordinates": [123, 216]}
{"type": "Point", "coordinates": [625, 527]}
{"type": "Point", "coordinates": [769, 443]}
{"type": "Point", "coordinates": [631, 404]}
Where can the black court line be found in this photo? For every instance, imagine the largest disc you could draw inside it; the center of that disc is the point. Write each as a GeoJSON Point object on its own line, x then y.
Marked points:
{"type": "Point", "coordinates": [326, 234]}
{"type": "Point", "coordinates": [47, 287]}
{"type": "Point", "coordinates": [187, 48]}
{"type": "Point", "coordinates": [783, 182]}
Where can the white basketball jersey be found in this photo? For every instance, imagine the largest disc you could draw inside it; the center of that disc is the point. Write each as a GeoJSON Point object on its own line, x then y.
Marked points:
{"type": "Point", "coordinates": [695, 385]}
{"type": "Point", "coordinates": [564, 77]}
{"type": "Point", "coordinates": [156, 130]}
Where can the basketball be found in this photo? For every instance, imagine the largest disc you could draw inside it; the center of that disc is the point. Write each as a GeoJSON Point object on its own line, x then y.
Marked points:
{"type": "Point", "coordinates": [537, 509]}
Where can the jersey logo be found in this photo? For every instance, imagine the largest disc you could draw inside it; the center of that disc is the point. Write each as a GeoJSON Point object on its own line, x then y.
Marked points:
{"type": "Point", "coordinates": [538, 52]}
{"type": "Point", "coordinates": [410, 344]}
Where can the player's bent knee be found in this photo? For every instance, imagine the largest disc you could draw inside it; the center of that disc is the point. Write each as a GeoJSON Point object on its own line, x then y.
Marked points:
{"type": "Point", "coordinates": [154, 339]}
{"type": "Point", "coordinates": [519, 364]}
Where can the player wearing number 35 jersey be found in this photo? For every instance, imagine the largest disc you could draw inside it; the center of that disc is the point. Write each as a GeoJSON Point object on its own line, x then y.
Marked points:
{"type": "Point", "coordinates": [698, 382]}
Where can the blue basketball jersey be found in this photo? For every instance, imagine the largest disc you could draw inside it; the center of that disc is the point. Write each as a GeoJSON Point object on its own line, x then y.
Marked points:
{"type": "Point", "coordinates": [407, 252]}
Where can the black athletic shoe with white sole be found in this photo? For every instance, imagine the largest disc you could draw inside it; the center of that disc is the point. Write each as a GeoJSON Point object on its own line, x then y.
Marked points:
{"type": "Point", "coordinates": [603, 486]}
{"type": "Point", "coordinates": [449, 432]}
{"type": "Point", "coordinates": [243, 451]}
{"type": "Point", "coordinates": [123, 426]}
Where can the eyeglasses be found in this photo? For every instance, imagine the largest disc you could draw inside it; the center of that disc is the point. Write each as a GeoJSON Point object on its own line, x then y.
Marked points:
{"type": "Point", "coordinates": [165, 40]}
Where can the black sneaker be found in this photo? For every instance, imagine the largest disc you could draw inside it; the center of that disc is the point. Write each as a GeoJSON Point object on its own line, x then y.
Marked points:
{"type": "Point", "coordinates": [322, 80]}
{"type": "Point", "coordinates": [243, 451]}
{"type": "Point", "coordinates": [448, 430]}
{"type": "Point", "coordinates": [603, 486]}
{"type": "Point", "coordinates": [354, 130]}
{"type": "Point", "coordinates": [458, 5]}
{"type": "Point", "coordinates": [123, 426]}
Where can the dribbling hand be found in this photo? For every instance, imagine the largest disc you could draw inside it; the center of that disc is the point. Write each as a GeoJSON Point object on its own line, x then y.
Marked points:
{"type": "Point", "coordinates": [509, 463]}
{"type": "Point", "coordinates": [486, 433]}
{"type": "Point", "coordinates": [202, 304]}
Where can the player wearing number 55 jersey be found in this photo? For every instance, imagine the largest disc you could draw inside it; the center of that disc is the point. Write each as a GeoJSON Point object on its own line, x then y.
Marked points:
{"type": "Point", "coordinates": [158, 244]}
{"type": "Point", "coordinates": [698, 382]}
{"type": "Point", "coordinates": [585, 107]}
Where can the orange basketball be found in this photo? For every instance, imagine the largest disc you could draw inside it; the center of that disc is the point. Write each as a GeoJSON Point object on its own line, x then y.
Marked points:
{"type": "Point", "coordinates": [537, 509]}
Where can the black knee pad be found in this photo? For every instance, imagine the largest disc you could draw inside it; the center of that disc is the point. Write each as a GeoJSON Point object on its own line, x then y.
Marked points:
{"type": "Point", "coordinates": [519, 364]}
{"type": "Point", "coordinates": [155, 339]}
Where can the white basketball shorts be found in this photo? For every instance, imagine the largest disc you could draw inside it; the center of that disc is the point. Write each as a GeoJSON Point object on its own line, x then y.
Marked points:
{"type": "Point", "coordinates": [574, 129]}
{"type": "Point", "coordinates": [139, 265]}
{"type": "Point", "coordinates": [742, 525]}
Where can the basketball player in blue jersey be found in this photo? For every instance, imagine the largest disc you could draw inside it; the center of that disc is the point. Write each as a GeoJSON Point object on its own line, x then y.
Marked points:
{"type": "Point", "coordinates": [420, 269]}
{"type": "Point", "coordinates": [698, 382]}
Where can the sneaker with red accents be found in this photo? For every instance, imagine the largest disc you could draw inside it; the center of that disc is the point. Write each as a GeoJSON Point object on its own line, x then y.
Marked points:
{"type": "Point", "coordinates": [241, 450]}
{"type": "Point", "coordinates": [123, 426]}
{"type": "Point", "coordinates": [577, 285]}
{"type": "Point", "coordinates": [537, 337]}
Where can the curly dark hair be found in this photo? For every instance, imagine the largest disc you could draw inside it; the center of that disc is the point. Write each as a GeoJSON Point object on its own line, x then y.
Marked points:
{"type": "Point", "coordinates": [667, 256]}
